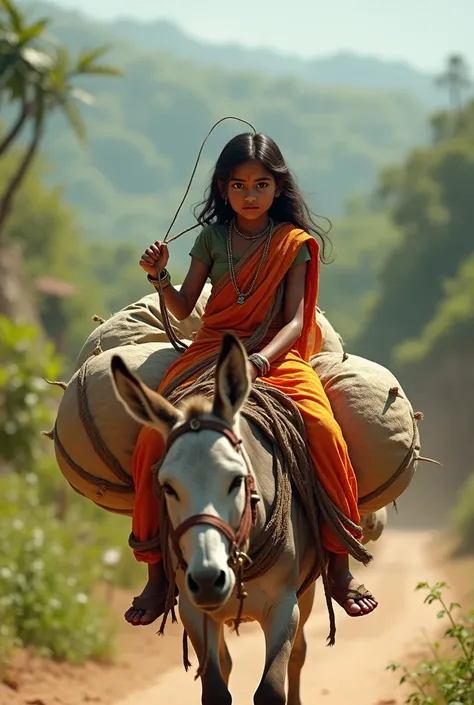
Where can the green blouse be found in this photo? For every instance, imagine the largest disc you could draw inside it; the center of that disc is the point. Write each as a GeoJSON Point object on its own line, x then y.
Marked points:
{"type": "Point", "coordinates": [211, 248]}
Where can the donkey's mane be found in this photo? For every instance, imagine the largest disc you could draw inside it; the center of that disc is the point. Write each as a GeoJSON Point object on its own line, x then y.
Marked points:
{"type": "Point", "coordinates": [195, 406]}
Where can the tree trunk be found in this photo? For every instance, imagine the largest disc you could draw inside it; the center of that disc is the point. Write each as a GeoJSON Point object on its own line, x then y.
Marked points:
{"type": "Point", "coordinates": [15, 131]}
{"type": "Point", "coordinates": [8, 196]}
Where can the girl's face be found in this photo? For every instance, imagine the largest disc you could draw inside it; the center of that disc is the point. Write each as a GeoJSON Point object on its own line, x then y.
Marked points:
{"type": "Point", "coordinates": [251, 190]}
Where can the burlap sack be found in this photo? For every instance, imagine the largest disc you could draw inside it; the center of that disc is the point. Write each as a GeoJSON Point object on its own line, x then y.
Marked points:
{"type": "Point", "coordinates": [332, 341]}
{"type": "Point", "coordinates": [141, 322]}
{"type": "Point", "coordinates": [89, 409]}
{"type": "Point", "coordinates": [377, 422]}
{"type": "Point", "coordinates": [374, 524]}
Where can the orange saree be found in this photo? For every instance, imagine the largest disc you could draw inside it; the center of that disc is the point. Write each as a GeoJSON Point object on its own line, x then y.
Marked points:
{"type": "Point", "coordinates": [291, 373]}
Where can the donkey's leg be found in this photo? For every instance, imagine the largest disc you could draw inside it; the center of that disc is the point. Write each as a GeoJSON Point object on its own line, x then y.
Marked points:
{"type": "Point", "coordinates": [225, 658]}
{"type": "Point", "coordinates": [214, 686]}
{"type": "Point", "coordinates": [280, 627]}
{"type": "Point", "coordinates": [298, 655]}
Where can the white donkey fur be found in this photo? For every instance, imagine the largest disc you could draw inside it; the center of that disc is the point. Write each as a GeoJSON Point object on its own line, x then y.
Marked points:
{"type": "Point", "coordinates": [203, 473]}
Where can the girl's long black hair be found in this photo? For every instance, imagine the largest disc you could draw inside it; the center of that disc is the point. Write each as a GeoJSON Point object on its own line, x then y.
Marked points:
{"type": "Point", "coordinates": [289, 207]}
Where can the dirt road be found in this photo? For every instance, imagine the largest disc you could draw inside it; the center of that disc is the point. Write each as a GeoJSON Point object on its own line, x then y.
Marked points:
{"type": "Point", "coordinates": [354, 670]}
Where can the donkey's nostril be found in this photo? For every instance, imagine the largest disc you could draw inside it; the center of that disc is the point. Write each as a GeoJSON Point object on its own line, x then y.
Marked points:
{"type": "Point", "coordinates": [209, 582]}
{"type": "Point", "coordinates": [192, 585]}
{"type": "Point", "coordinates": [220, 582]}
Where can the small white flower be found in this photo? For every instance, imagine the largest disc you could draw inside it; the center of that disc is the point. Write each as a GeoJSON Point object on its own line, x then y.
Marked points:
{"type": "Point", "coordinates": [17, 524]}
{"type": "Point", "coordinates": [54, 603]}
{"type": "Point", "coordinates": [82, 598]}
{"type": "Point", "coordinates": [111, 556]}
{"type": "Point", "coordinates": [31, 399]}
{"type": "Point", "coordinates": [5, 573]}
{"type": "Point", "coordinates": [37, 565]}
{"type": "Point", "coordinates": [38, 537]}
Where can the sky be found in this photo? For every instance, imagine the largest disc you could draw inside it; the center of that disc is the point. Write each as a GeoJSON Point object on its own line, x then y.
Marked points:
{"type": "Point", "coordinates": [421, 32]}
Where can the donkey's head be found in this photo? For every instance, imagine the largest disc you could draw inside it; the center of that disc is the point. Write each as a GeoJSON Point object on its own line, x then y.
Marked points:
{"type": "Point", "coordinates": [204, 474]}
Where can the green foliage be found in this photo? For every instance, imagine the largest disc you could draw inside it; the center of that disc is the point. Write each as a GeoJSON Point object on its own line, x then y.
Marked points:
{"type": "Point", "coordinates": [463, 515]}
{"type": "Point", "coordinates": [362, 240]}
{"type": "Point", "coordinates": [444, 679]}
{"type": "Point", "coordinates": [25, 397]}
{"type": "Point", "coordinates": [48, 233]}
{"type": "Point", "coordinates": [144, 132]}
{"type": "Point", "coordinates": [451, 327]}
{"type": "Point", "coordinates": [431, 202]}
{"type": "Point", "coordinates": [39, 79]}
{"type": "Point", "coordinates": [47, 577]}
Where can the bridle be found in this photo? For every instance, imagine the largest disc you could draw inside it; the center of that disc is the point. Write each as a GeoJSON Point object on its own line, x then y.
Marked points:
{"type": "Point", "coordinates": [237, 539]}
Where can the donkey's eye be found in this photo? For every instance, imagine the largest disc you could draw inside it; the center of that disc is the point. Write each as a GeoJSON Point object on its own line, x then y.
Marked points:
{"type": "Point", "coordinates": [236, 483]}
{"type": "Point", "coordinates": [170, 492]}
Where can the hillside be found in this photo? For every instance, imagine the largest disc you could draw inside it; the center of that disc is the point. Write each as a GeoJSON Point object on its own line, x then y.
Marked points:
{"type": "Point", "coordinates": [341, 69]}
{"type": "Point", "coordinates": [146, 129]}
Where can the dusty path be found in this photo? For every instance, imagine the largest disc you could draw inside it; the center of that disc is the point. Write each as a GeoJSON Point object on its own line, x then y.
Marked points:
{"type": "Point", "coordinates": [354, 671]}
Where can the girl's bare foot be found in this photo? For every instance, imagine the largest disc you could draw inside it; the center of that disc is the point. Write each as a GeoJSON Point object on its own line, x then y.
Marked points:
{"type": "Point", "coordinates": [152, 602]}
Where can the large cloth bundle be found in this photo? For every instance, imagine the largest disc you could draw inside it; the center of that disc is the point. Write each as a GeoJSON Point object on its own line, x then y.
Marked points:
{"type": "Point", "coordinates": [141, 322]}
{"type": "Point", "coordinates": [373, 525]}
{"type": "Point", "coordinates": [94, 437]}
{"type": "Point", "coordinates": [377, 422]}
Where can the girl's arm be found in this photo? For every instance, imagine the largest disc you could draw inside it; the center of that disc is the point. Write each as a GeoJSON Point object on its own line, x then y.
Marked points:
{"type": "Point", "coordinates": [181, 303]}
{"type": "Point", "coordinates": [293, 314]}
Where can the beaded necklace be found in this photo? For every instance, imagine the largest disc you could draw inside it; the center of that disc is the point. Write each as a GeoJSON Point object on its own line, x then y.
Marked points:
{"type": "Point", "coordinates": [242, 296]}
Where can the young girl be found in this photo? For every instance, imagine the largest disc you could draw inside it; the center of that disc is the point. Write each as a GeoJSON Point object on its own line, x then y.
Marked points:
{"type": "Point", "coordinates": [258, 233]}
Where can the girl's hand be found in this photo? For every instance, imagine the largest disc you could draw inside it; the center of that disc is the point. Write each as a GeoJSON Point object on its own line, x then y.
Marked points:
{"type": "Point", "coordinates": [155, 258]}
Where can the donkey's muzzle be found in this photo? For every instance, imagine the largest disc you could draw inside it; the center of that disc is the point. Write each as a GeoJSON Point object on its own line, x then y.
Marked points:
{"type": "Point", "coordinates": [209, 587]}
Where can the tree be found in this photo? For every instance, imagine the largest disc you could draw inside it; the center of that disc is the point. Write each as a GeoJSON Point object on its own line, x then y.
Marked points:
{"type": "Point", "coordinates": [41, 81]}
{"type": "Point", "coordinates": [456, 79]}
{"type": "Point", "coordinates": [430, 198]}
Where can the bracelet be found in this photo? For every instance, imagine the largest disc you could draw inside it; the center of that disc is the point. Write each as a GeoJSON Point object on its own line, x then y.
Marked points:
{"type": "Point", "coordinates": [164, 279]}
{"type": "Point", "coordinates": [261, 363]}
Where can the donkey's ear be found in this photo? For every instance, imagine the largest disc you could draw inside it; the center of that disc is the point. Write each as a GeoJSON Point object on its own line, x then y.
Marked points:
{"type": "Point", "coordinates": [141, 402]}
{"type": "Point", "coordinates": [232, 381]}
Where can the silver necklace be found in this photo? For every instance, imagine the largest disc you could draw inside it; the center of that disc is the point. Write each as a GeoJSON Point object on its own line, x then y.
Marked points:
{"type": "Point", "coordinates": [252, 237]}
{"type": "Point", "coordinates": [242, 296]}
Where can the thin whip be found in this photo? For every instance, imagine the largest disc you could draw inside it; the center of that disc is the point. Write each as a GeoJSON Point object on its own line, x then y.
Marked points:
{"type": "Point", "coordinates": [193, 173]}
{"type": "Point", "coordinates": [178, 344]}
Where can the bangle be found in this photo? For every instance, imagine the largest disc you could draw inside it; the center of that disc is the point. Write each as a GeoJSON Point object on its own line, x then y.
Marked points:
{"type": "Point", "coordinates": [164, 279]}
{"type": "Point", "coordinates": [261, 363]}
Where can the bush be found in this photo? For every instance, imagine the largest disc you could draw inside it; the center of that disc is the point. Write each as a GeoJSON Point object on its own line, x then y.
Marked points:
{"type": "Point", "coordinates": [108, 533]}
{"type": "Point", "coordinates": [446, 679]}
{"type": "Point", "coordinates": [463, 515]}
{"type": "Point", "coordinates": [56, 546]}
{"type": "Point", "coordinates": [46, 580]}
{"type": "Point", "coordinates": [26, 399]}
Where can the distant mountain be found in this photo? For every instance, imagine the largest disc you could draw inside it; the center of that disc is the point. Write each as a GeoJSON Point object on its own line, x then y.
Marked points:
{"type": "Point", "coordinates": [342, 69]}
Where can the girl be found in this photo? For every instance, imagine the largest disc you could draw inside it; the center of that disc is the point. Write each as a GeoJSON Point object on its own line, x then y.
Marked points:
{"type": "Point", "coordinates": [257, 234]}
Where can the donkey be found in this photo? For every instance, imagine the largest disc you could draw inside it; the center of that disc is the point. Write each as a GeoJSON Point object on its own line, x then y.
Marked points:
{"type": "Point", "coordinates": [215, 463]}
